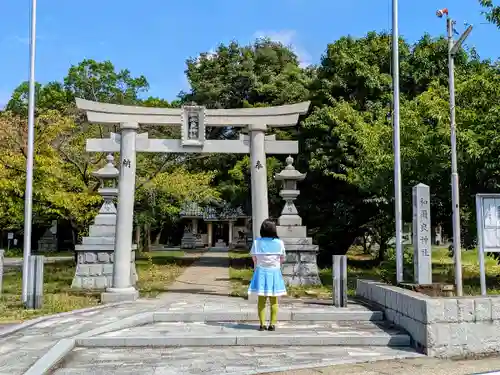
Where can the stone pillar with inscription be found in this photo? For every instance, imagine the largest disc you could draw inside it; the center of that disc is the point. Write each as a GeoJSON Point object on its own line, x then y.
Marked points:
{"type": "Point", "coordinates": [260, 205]}
{"type": "Point", "coordinates": [300, 266]}
{"type": "Point", "coordinates": [422, 236]}
{"type": "Point", "coordinates": [95, 256]}
{"type": "Point", "coordinates": [123, 289]}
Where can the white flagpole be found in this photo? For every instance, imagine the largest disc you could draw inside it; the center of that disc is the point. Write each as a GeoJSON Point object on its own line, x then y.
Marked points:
{"type": "Point", "coordinates": [28, 197]}
{"type": "Point", "coordinates": [396, 144]}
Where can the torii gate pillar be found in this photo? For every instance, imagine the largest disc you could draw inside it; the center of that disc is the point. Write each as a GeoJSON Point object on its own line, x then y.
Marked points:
{"type": "Point", "coordinates": [260, 204]}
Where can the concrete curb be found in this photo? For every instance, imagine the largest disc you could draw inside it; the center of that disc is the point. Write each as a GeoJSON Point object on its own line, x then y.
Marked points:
{"type": "Point", "coordinates": [131, 321]}
{"type": "Point", "coordinates": [63, 347]}
{"type": "Point", "coordinates": [28, 323]}
{"type": "Point", "coordinates": [50, 359]}
{"type": "Point", "coordinates": [251, 315]}
{"type": "Point", "coordinates": [397, 340]}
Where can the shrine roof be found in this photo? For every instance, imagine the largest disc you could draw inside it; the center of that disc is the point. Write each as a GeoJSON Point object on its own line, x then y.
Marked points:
{"type": "Point", "coordinates": [213, 212]}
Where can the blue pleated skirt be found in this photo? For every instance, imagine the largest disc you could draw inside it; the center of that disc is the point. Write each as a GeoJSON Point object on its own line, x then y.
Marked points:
{"type": "Point", "coordinates": [267, 282]}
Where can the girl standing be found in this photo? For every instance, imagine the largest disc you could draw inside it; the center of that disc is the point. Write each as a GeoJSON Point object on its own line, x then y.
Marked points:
{"type": "Point", "coordinates": [268, 254]}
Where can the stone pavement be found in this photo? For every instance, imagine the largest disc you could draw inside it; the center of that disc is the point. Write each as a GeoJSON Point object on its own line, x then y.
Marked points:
{"type": "Point", "coordinates": [197, 328]}
{"type": "Point", "coordinates": [214, 361]}
{"type": "Point", "coordinates": [411, 366]}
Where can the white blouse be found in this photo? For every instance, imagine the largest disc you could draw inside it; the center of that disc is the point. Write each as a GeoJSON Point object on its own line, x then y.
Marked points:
{"type": "Point", "coordinates": [268, 252]}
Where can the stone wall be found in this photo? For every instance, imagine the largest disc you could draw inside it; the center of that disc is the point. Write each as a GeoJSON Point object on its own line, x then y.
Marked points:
{"type": "Point", "coordinates": [440, 326]}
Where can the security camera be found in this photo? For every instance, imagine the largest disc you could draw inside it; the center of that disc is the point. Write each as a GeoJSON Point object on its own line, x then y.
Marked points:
{"type": "Point", "coordinates": [441, 12]}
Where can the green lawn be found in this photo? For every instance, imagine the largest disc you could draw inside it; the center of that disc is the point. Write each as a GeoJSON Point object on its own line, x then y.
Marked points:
{"type": "Point", "coordinates": [361, 266]}
{"type": "Point", "coordinates": [156, 271]}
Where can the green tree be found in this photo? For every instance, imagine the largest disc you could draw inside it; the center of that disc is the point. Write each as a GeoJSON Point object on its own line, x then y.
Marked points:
{"type": "Point", "coordinates": [101, 82]}
{"type": "Point", "coordinates": [492, 11]}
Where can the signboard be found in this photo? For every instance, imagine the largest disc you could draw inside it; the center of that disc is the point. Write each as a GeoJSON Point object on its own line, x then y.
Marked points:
{"type": "Point", "coordinates": [10, 236]}
{"type": "Point", "coordinates": [488, 230]}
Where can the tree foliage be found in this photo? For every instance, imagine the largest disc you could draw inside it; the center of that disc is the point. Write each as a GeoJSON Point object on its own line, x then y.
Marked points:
{"type": "Point", "coordinates": [346, 144]}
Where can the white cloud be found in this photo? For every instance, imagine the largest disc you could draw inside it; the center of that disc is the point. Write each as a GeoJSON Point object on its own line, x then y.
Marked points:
{"type": "Point", "coordinates": [289, 39]}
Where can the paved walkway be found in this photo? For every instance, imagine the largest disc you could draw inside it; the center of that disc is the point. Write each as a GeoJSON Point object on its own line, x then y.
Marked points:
{"type": "Point", "coordinates": [415, 366]}
{"type": "Point", "coordinates": [199, 298]}
{"type": "Point", "coordinates": [207, 276]}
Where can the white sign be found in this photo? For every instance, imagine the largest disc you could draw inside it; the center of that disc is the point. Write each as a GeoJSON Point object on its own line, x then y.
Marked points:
{"type": "Point", "coordinates": [10, 236]}
{"type": "Point", "coordinates": [489, 222]}
{"type": "Point", "coordinates": [488, 230]}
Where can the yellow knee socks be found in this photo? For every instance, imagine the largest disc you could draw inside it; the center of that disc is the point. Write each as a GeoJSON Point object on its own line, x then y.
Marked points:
{"type": "Point", "coordinates": [261, 307]}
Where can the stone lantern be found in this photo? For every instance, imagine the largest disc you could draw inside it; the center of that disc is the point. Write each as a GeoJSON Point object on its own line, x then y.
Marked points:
{"type": "Point", "coordinates": [300, 266]}
{"type": "Point", "coordinates": [107, 175]}
{"type": "Point", "coordinates": [94, 269]}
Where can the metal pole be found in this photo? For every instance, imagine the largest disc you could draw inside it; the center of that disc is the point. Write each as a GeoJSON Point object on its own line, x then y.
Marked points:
{"type": "Point", "coordinates": [480, 245]}
{"type": "Point", "coordinates": [454, 170]}
{"type": "Point", "coordinates": [28, 197]}
{"type": "Point", "coordinates": [397, 147]}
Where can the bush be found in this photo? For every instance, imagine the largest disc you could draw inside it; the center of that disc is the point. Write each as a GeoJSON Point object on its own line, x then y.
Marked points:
{"type": "Point", "coordinates": [388, 266]}
{"type": "Point", "coordinates": [13, 253]}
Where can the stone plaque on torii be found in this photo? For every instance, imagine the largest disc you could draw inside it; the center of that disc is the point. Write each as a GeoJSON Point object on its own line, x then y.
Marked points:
{"type": "Point", "coordinates": [193, 119]}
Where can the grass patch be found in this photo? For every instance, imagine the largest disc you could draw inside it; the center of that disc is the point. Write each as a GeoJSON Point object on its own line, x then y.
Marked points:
{"type": "Point", "coordinates": [362, 266]}
{"type": "Point", "coordinates": [58, 296]}
{"type": "Point", "coordinates": [158, 269]}
{"type": "Point", "coordinates": [155, 273]}
{"type": "Point", "coordinates": [18, 253]}
{"type": "Point", "coordinates": [443, 271]}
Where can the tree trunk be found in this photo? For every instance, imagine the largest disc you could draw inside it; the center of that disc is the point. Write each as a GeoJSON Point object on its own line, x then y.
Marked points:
{"type": "Point", "coordinates": [367, 246]}
{"type": "Point", "coordinates": [158, 237]}
{"type": "Point", "coordinates": [147, 233]}
{"type": "Point", "coordinates": [74, 238]}
{"type": "Point", "coordinates": [381, 251]}
{"type": "Point", "coordinates": [138, 237]}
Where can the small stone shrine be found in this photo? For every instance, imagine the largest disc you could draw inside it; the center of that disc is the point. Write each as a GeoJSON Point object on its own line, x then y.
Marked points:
{"type": "Point", "coordinates": [94, 269]}
{"type": "Point", "coordinates": [300, 266]}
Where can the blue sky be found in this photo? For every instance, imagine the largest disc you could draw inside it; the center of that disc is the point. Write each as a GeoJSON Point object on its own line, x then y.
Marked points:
{"type": "Point", "coordinates": [154, 37]}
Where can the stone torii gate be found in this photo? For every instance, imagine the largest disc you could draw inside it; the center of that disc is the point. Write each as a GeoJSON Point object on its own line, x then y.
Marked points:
{"type": "Point", "coordinates": [193, 119]}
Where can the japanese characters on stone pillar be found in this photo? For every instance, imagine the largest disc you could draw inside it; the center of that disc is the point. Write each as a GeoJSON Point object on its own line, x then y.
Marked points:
{"type": "Point", "coordinates": [422, 258]}
{"type": "Point", "coordinates": [258, 172]}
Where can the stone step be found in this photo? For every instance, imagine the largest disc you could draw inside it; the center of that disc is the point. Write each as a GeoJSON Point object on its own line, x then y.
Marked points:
{"type": "Point", "coordinates": [237, 360]}
{"type": "Point", "coordinates": [292, 231]}
{"type": "Point", "coordinates": [105, 220]}
{"type": "Point", "coordinates": [165, 334]}
{"type": "Point", "coordinates": [297, 241]}
{"type": "Point", "coordinates": [98, 240]}
{"type": "Point", "coordinates": [102, 231]}
{"type": "Point", "coordinates": [250, 314]}
{"type": "Point", "coordinates": [98, 247]}
{"type": "Point", "coordinates": [302, 248]}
